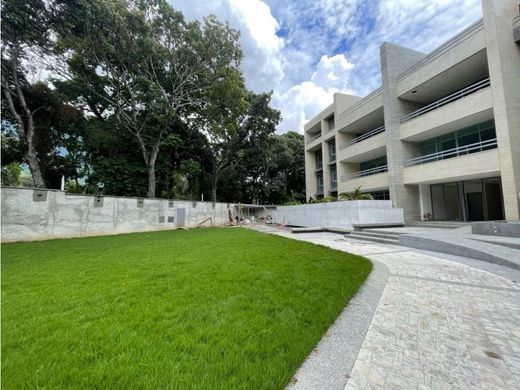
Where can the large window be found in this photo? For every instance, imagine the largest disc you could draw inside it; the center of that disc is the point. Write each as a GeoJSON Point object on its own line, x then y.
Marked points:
{"type": "Point", "coordinates": [319, 160]}
{"type": "Point", "coordinates": [332, 151]}
{"type": "Point", "coordinates": [375, 163]}
{"type": "Point", "coordinates": [333, 177]}
{"type": "Point", "coordinates": [463, 137]}
{"type": "Point", "coordinates": [319, 181]}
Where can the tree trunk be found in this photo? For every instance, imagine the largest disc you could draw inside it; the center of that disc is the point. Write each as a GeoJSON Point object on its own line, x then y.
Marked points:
{"type": "Point", "coordinates": [151, 167]}
{"type": "Point", "coordinates": [151, 180]}
{"type": "Point", "coordinates": [25, 130]}
{"type": "Point", "coordinates": [34, 166]}
{"type": "Point", "coordinates": [214, 189]}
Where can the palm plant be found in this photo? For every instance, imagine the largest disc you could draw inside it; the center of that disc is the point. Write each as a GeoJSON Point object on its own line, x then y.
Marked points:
{"type": "Point", "coordinates": [357, 194]}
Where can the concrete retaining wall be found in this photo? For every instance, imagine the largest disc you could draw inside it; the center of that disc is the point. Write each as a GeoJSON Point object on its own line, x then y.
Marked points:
{"type": "Point", "coordinates": [342, 214]}
{"type": "Point", "coordinates": [29, 214]}
{"type": "Point", "coordinates": [492, 228]}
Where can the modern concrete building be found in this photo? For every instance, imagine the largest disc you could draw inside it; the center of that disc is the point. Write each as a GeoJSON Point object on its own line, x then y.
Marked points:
{"type": "Point", "coordinates": [441, 137]}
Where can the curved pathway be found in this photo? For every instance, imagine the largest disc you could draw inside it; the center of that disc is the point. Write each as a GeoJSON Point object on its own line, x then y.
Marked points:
{"type": "Point", "coordinates": [441, 323]}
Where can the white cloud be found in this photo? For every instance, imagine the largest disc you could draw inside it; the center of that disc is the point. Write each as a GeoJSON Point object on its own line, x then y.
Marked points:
{"type": "Point", "coordinates": [263, 62]}
{"type": "Point", "coordinates": [304, 100]}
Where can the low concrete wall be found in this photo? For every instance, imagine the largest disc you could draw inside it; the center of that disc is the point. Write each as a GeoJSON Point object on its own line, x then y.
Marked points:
{"type": "Point", "coordinates": [342, 214]}
{"type": "Point", "coordinates": [491, 228]}
{"type": "Point", "coordinates": [29, 214]}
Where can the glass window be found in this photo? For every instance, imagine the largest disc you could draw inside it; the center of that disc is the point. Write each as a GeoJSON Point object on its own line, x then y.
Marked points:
{"type": "Point", "coordinates": [319, 160]}
{"type": "Point", "coordinates": [428, 147]}
{"type": "Point", "coordinates": [333, 176]}
{"type": "Point", "coordinates": [446, 142]}
{"type": "Point", "coordinates": [468, 136]}
{"type": "Point", "coordinates": [332, 151]}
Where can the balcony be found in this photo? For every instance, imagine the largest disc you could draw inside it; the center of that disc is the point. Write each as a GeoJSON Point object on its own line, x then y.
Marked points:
{"type": "Point", "coordinates": [475, 108]}
{"type": "Point", "coordinates": [455, 152]}
{"type": "Point", "coordinates": [366, 172]}
{"type": "Point", "coordinates": [469, 90]}
{"type": "Point", "coordinates": [374, 182]}
{"type": "Point", "coordinates": [313, 138]}
{"type": "Point", "coordinates": [454, 57]}
{"type": "Point", "coordinates": [463, 167]}
{"type": "Point", "coordinates": [363, 137]}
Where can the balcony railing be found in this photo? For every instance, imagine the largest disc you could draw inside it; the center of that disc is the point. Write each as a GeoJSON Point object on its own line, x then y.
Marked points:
{"type": "Point", "coordinates": [319, 190]}
{"type": "Point", "coordinates": [332, 159]}
{"type": "Point", "coordinates": [314, 137]}
{"type": "Point", "coordinates": [448, 99]}
{"type": "Point", "coordinates": [319, 166]}
{"type": "Point", "coordinates": [366, 172]}
{"type": "Point", "coordinates": [455, 152]}
{"type": "Point", "coordinates": [363, 137]}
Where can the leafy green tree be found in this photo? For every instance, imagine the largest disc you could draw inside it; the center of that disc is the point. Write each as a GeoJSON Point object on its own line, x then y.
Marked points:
{"type": "Point", "coordinates": [144, 63]}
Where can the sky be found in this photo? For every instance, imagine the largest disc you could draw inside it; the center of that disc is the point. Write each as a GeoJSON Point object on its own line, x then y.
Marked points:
{"type": "Point", "coordinates": [306, 50]}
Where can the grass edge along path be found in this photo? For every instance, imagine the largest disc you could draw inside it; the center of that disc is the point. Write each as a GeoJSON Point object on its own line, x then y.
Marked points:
{"type": "Point", "coordinates": [216, 308]}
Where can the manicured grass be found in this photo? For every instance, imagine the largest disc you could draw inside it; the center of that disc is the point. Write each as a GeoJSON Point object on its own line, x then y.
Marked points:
{"type": "Point", "coordinates": [222, 308]}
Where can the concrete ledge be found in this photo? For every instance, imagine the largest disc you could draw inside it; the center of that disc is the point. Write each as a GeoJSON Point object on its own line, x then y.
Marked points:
{"type": "Point", "coordinates": [340, 215]}
{"type": "Point", "coordinates": [501, 229]}
{"type": "Point", "coordinates": [459, 246]}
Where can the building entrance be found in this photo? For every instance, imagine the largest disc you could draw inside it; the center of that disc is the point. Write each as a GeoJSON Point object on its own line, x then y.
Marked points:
{"type": "Point", "coordinates": [473, 200]}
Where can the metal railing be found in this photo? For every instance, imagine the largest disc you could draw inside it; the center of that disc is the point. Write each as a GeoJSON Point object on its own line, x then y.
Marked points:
{"type": "Point", "coordinates": [314, 137]}
{"type": "Point", "coordinates": [319, 190]}
{"type": "Point", "coordinates": [448, 99]}
{"type": "Point", "coordinates": [455, 152]}
{"type": "Point", "coordinates": [366, 172]}
{"type": "Point", "coordinates": [332, 159]}
{"type": "Point", "coordinates": [319, 166]}
{"type": "Point", "coordinates": [363, 137]}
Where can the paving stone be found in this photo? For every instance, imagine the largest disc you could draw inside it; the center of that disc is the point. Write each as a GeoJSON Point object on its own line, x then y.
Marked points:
{"type": "Point", "coordinates": [438, 325]}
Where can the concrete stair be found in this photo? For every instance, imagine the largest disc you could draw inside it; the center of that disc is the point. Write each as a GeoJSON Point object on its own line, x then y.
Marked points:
{"type": "Point", "coordinates": [380, 237]}
{"type": "Point", "coordinates": [439, 224]}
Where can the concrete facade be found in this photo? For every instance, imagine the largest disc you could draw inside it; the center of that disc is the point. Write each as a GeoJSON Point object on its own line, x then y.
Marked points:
{"type": "Point", "coordinates": [345, 214]}
{"type": "Point", "coordinates": [29, 214]}
{"type": "Point", "coordinates": [441, 137]}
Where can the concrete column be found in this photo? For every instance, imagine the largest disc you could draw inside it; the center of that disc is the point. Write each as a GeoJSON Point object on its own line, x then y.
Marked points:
{"type": "Point", "coordinates": [326, 158]}
{"type": "Point", "coordinates": [310, 177]}
{"type": "Point", "coordinates": [394, 60]}
{"type": "Point", "coordinates": [504, 72]}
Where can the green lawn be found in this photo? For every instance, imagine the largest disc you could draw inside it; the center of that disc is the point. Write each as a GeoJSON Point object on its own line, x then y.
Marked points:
{"type": "Point", "coordinates": [219, 308]}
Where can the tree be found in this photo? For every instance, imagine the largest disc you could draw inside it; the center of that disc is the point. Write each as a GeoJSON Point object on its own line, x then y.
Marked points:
{"type": "Point", "coordinates": [222, 122]}
{"type": "Point", "coordinates": [357, 194]}
{"type": "Point", "coordinates": [24, 30]}
{"type": "Point", "coordinates": [145, 64]}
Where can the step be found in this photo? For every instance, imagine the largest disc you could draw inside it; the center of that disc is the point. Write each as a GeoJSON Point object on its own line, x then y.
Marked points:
{"type": "Point", "coordinates": [465, 247]}
{"type": "Point", "coordinates": [512, 245]}
{"type": "Point", "coordinates": [380, 240]}
{"type": "Point", "coordinates": [439, 224]}
{"type": "Point", "coordinates": [388, 235]}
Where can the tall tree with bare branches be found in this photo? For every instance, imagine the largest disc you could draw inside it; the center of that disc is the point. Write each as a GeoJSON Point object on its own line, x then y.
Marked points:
{"type": "Point", "coordinates": [24, 32]}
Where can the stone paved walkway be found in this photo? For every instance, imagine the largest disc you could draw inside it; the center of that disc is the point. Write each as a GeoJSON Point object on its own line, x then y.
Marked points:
{"type": "Point", "coordinates": [439, 324]}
